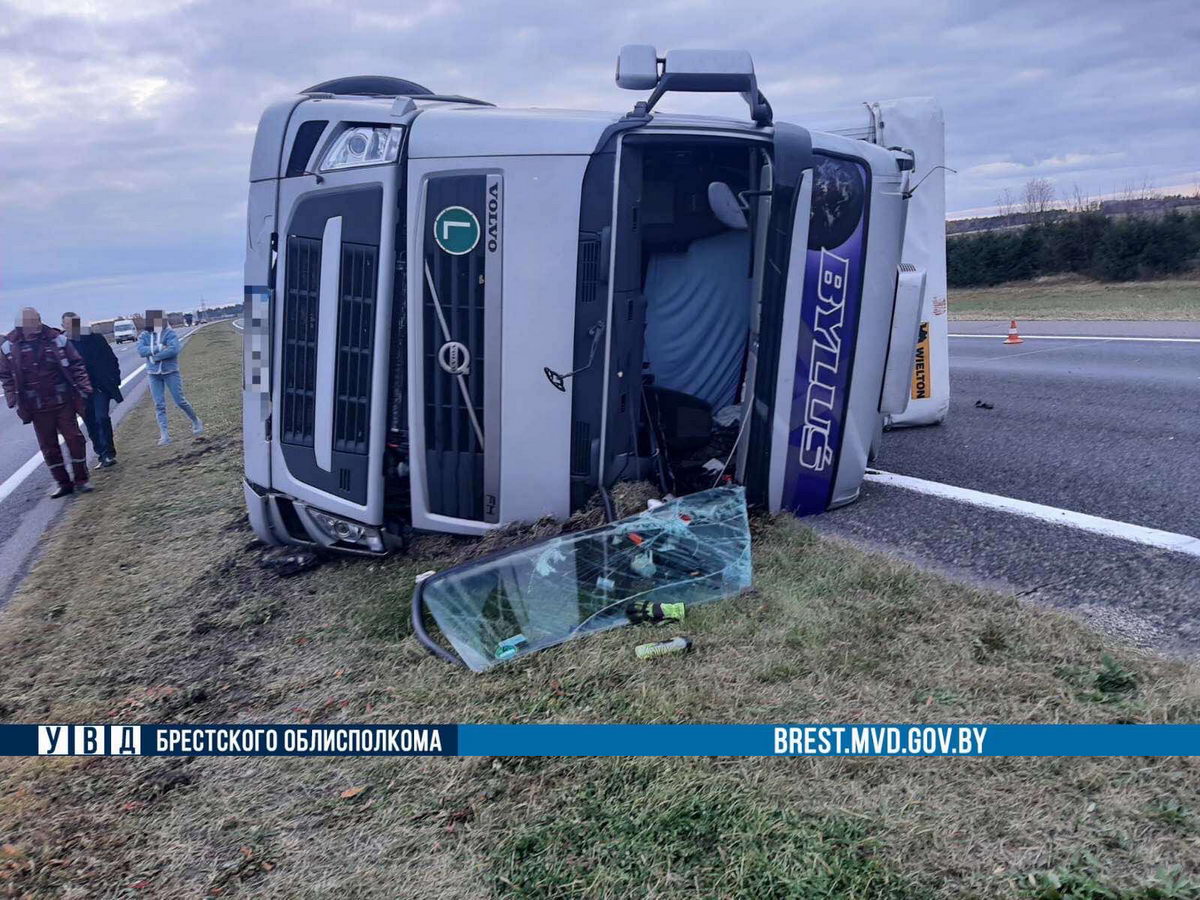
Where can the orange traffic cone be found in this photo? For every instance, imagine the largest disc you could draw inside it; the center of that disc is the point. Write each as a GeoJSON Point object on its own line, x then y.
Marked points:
{"type": "Point", "coordinates": [1013, 337]}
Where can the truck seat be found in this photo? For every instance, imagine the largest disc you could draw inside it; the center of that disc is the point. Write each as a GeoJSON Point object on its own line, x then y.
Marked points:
{"type": "Point", "coordinates": [698, 317]}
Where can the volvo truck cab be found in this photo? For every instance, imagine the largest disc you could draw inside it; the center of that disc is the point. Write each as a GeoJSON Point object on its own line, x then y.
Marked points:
{"type": "Point", "coordinates": [459, 316]}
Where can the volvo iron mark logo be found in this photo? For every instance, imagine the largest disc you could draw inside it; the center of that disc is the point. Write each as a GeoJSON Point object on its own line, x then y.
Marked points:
{"type": "Point", "coordinates": [454, 358]}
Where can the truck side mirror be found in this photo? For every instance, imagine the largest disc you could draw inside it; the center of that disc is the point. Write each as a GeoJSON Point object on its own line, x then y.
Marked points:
{"type": "Point", "coordinates": [702, 71]}
{"type": "Point", "coordinates": [691, 71]}
{"type": "Point", "coordinates": [637, 67]}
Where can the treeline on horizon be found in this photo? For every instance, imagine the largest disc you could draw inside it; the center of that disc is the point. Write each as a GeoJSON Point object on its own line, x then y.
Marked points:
{"type": "Point", "coordinates": [1088, 243]}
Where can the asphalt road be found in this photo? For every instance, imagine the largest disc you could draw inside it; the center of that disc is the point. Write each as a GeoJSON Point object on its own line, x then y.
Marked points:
{"type": "Point", "coordinates": [1109, 428]}
{"type": "Point", "coordinates": [27, 512]}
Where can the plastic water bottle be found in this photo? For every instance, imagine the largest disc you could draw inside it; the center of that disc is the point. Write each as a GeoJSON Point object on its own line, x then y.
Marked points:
{"type": "Point", "coordinates": [663, 648]}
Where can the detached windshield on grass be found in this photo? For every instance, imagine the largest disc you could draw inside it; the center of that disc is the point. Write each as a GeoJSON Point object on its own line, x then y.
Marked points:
{"type": "Point", "coordinates": [688, 551]}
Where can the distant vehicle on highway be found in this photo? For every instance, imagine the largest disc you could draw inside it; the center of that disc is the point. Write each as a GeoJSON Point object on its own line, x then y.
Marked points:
{"type": "Point", "coordinates": [187, 318]}
{"type": "Point", "coordinates": [124, 330]}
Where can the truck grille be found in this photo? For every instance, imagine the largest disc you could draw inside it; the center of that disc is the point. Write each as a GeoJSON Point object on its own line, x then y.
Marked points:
{"type": "Point", "coordinates": [454, 459]}
{"type": "Point", "coordinates": [588, 269]}
{"type": "Point", "coordinates": [581, 448]}
{"type": "Point", "coordinates": [331, 455]}
{"type": "Point", "coordinates": [299, 364]}
{"type": "Point", "coordinates": [355, 337]}
{"type": "Point", "coordinates": [585, 414]}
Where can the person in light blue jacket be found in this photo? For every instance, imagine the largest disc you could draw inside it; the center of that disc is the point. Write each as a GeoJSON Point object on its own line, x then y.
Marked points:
{"type": "Point", "coordinates": [159, 345]}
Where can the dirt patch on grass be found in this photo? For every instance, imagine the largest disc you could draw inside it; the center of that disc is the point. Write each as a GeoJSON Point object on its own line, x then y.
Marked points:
{"type": "Point", "coordinates": [1072, 297]}
{"type": "Point", "coordinates": [182, 461]}
{"type": "Point", "coordinates": [167, 616]}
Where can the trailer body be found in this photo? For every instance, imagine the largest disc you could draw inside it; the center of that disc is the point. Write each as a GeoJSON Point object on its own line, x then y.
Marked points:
{"type": "Point", "coordinates": [917, 124]}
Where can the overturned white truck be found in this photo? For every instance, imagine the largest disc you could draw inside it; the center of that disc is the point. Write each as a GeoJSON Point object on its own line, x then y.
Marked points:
{"type": "Point", "coordinates": [460, 316]}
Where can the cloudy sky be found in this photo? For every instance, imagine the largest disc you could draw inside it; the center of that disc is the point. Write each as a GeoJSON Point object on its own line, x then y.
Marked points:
{"type": "Point", "coordinates": [126, 125]}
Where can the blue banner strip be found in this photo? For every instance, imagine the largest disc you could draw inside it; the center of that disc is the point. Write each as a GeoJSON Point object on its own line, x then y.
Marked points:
{"type": "Point", "coordinates": [829, 740]}
{"type": "Point", "coordinates": [599, 740]}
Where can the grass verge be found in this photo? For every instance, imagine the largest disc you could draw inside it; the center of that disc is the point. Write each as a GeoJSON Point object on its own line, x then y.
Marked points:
{"type": "Point", "coordinates": [1077, 298]}
{"type": "Point", "coordinates": [149, 605]}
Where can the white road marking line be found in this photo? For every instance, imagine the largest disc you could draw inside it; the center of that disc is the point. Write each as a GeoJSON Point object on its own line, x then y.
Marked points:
{"type": "Point", "coordinates": [17, 478]}
{"type": "Point", "coordinates": [134, 374]}
{"type": "Point", "coordinates": [1013, 354]}
{"type": "Point", "coordinates": [1081, 337]}
{"type": "Point", "coordinates": [1150, 537]}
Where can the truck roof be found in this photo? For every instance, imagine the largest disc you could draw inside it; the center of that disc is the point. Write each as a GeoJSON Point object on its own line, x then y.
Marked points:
{"type": "Point", "coordinates": [446, 129]}
{"type": "Point", "coordinates": [451, 127]}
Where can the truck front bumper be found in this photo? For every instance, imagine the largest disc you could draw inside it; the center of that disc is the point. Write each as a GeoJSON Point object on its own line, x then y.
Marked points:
{"type": "Point", "coordinates": [278, 520]}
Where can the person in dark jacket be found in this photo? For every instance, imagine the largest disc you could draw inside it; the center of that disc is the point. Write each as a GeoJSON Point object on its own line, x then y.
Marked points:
{"type": "Point", "coordinates": [46, 382]}
{"type": "Point", "coordinates": [105, 374]}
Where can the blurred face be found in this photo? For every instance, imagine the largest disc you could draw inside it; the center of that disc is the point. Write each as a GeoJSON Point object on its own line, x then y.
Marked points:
{"type": "Point", "coordinates": [31, 320]}
{"type": "Point", "coordinates": [154, 318]}
{"type": "Point", "coordinates": [72, 326]}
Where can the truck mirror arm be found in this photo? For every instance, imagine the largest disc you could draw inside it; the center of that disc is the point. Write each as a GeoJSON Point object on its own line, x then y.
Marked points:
{"type": "Point", "coordinates": [760, 108]}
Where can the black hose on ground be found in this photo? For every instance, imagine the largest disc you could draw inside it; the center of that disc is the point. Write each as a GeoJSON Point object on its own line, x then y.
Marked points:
{"type": "Point", "coordinates": [606, 501]}
{"type": "Point", "coordinates": [659, 454]}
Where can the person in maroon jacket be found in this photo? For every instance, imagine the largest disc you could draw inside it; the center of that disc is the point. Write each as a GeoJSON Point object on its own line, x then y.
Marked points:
{"type": "Point", "coordinates": [45, 380]}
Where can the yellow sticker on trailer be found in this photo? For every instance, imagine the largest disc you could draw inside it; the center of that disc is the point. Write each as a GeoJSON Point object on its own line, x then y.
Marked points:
{"type": "Point", "coordinates": [920, 381]}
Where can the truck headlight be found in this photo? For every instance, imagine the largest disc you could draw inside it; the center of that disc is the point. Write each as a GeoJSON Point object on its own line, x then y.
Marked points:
{"type": "Point", "coordinates": [338, 529]}
{"type": "Point", "coordinates": [342, 531]}
{"type": "Point", "coordinates": [363, 145]}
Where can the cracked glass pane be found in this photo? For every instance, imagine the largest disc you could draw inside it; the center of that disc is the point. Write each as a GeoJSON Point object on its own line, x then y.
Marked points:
{"type": "Point", "coordinates": [689, 551]}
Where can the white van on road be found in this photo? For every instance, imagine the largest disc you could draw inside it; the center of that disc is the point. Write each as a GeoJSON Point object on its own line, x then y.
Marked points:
{"type": "Point", "coordinates": [124, 330]}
